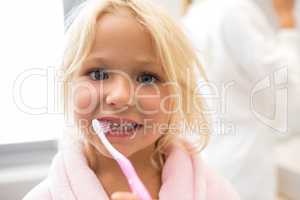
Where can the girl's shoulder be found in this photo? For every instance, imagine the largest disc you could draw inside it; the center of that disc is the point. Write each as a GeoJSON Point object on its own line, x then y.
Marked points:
{"type": "Point", "coordinates": [217, 186]}
{"type": "Point", "coordinates": [210, 183]}
{"type": "Point", "coordinates": [41, 191]}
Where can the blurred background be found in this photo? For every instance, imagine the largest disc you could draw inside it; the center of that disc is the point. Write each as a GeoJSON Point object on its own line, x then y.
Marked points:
{"type": "Point", "coordinates": [31, 46]}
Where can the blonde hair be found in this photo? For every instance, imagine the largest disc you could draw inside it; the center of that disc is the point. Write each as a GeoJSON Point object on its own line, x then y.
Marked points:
{"type": "Point", "coordinates": [185, 4]}
{"type": "Point", "coordinates": [171, 45]}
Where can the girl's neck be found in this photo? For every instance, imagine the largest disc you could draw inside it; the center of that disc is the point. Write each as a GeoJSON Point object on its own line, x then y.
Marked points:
{"type": "Point", "coordinates": [108, 171]}
{"type": "Point", "coordinates": [140, 160]}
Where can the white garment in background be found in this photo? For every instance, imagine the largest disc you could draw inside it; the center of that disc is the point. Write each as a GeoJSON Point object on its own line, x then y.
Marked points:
{"type": "Point", "coordinates": [298, 13]}
{"type": "Point", "coordinates": [246, 56]}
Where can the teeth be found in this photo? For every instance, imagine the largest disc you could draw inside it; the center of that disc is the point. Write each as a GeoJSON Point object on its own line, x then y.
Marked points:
{"type": "Point", "coordinates": [123, 126]}
{"type": "Point", "coordinates": [114, 128]}
{"type": "Point", "coordinates": [115, 124]}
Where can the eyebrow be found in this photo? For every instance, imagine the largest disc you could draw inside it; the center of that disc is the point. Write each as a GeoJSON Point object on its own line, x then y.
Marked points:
{"type": "Point", "coordinates": [140, 61]}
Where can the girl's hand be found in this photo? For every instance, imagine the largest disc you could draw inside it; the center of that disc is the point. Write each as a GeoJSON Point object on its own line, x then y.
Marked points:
{"type": "Point", "coordinates": [124, 196]}
{"type": "Point", "coordinates": [285, 11]}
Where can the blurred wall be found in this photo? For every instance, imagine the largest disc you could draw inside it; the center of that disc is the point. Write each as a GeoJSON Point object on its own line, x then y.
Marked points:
{"type": "Point", "coordinates": [172, 6]}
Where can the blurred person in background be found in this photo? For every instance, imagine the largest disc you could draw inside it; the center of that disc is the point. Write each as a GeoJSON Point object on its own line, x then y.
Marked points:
{"type": "Point", "coordinates": [251, 54]}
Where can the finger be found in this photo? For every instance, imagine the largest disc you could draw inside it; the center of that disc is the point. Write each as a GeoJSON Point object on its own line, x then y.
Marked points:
{"type": "Point", "coordinates": [124, 196]}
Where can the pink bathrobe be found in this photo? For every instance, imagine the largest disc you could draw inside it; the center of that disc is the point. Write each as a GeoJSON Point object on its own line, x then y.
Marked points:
{"type": "Point", "coordinates": [183, 178]}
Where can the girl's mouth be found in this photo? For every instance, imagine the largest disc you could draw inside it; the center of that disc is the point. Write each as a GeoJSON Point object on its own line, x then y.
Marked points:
{"type": "Point", "coordinates": [117, 127]}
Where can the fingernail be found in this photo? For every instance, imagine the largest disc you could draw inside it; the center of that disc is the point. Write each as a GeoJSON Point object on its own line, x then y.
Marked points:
{"type": "Point", "coordinates": [114, 195]}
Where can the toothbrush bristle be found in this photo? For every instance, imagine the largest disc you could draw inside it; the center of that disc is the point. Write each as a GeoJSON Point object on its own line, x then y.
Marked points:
{"type": "Point", "coordinates": [100, 125]}
{"type": "Point", "coordinates": [103, 127]}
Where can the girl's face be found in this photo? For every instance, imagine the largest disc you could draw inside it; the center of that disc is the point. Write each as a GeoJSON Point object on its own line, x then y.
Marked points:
{"type": "Point", "coordinates": [122, 84]}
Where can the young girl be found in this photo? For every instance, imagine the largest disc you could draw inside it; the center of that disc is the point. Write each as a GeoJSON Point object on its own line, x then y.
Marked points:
{"type": "Point", "coordinates": [130, 66]}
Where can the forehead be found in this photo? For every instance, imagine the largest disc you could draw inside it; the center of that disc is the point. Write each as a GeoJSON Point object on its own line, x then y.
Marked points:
{"type": "Point", "coordinates": [121, 39]}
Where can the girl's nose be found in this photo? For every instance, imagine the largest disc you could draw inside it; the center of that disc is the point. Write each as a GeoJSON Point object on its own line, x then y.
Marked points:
{"type": "Point", "coordinates": [120, 93]}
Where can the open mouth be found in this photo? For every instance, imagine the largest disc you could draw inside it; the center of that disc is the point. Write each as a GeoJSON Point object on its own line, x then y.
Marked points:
{"type": "Point", "coordinates": [117, 127]}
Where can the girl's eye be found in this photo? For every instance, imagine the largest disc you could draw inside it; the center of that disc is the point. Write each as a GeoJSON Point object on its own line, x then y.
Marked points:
{"type": "Point", "coordinates": [147, 78]}
{"type": "Point", "coordinates": [98, 74]}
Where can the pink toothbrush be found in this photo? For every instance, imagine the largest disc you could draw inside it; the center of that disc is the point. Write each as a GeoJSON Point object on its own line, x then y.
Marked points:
{"type": "Point", "coordinates": [128, 170]}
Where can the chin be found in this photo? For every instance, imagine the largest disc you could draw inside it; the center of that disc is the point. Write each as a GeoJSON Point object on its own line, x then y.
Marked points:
{"type": "Point", "coordinates": [126, 151]}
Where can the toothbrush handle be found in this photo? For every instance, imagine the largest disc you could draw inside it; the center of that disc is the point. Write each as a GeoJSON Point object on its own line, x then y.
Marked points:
{"type": "Point", "coordinates": [136, 185]}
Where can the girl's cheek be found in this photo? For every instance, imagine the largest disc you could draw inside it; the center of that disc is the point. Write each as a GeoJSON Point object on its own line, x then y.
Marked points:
{"type": "Point", "coordinates": [85, 101]}
{"type": "Point", "coordinates": [154, 104]}
{"type": "Point", "coordinates": [82, 99]}
{"type": "Point", "coordinates": [148, 105]}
